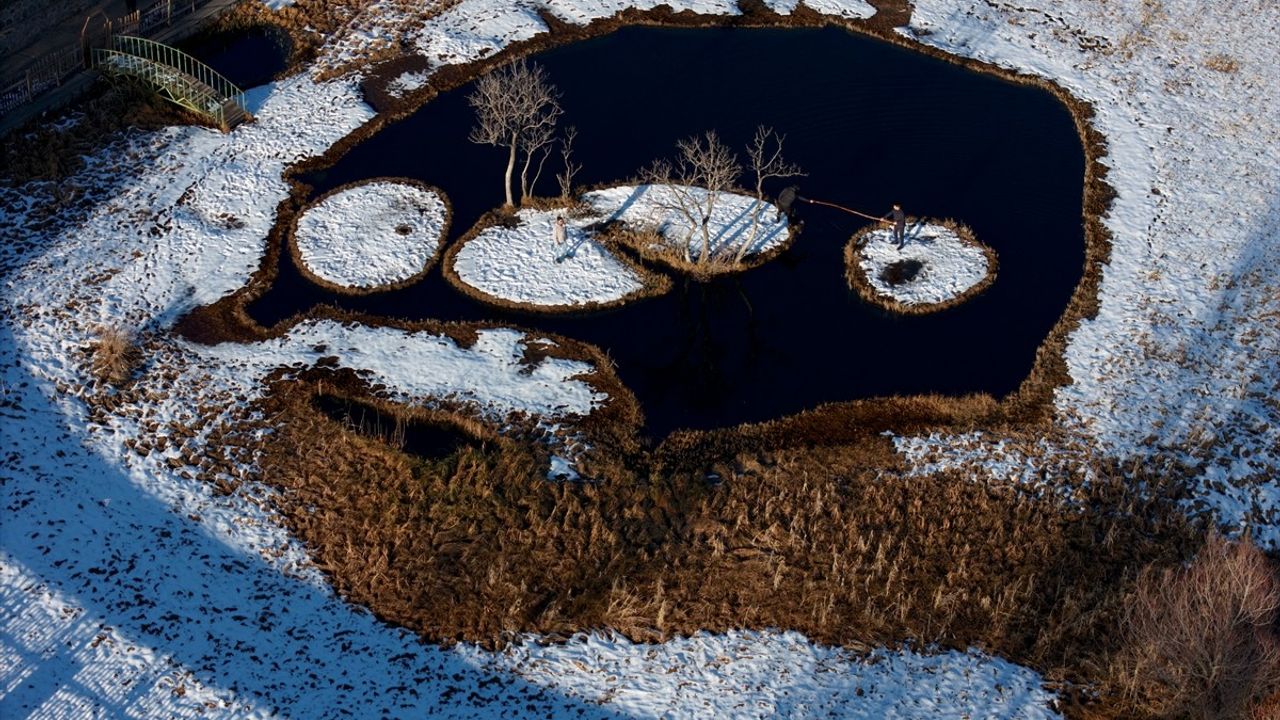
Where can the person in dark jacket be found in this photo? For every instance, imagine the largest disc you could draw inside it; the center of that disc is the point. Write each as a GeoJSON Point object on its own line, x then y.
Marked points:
{"type": "Point", "coordinates": [899, 225]}
{"type": "Point", "coordinates": [786, 201]}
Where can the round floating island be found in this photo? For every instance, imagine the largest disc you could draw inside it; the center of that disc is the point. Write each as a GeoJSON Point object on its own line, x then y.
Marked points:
{"type": "Point", "coordinates": [515, 261]}
{"type": "Point", "coordinates": [371, 236]}
{"type": "Point", "coordinates": [941, 266]}
{"type": "Point", "coordinates": [742, 232]}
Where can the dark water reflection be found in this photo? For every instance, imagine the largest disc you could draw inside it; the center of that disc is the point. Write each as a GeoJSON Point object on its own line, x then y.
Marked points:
{"type": "Point", "coordinates": [870, 122]}
{"type": "Point", "coordinates": [246, 58]}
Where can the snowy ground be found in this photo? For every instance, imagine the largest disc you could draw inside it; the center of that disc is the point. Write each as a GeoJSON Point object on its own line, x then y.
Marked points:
{"type": "Point", "coordinates": [950, 266]}
{"type": "Point", "coordinates": [526, 266]}
{"type": "Point", "coordinates": [731, 223]}
{"type": "Point", "coordinates": [127, 589]}
{"type": "Point", "coordinates": [791, 677]}
{"type": "Point", "coordinates": [373, 235]}
{"type": "Point", "coordinates": [1183, 360]}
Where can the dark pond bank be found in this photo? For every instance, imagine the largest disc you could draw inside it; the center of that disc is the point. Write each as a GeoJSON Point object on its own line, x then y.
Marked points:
{"type": "Point", "coordinates": [872, 124]}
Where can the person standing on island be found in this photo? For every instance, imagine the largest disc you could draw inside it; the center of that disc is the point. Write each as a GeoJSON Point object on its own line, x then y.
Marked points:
{"type": "Point", "coordinates": [899, 225]}
{"type": "Point", "coordinates": [786, 201]}
{"type": "Point", "coordinates": [559, 233]}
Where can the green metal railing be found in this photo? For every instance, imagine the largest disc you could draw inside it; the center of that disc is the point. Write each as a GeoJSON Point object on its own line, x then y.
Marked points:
{"type": "Point", "coordinates": [177, 76]}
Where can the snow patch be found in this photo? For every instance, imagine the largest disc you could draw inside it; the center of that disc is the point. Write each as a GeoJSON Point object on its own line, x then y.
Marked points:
{"type": "Point", "coordinates": [408, 82]}
{"type": "Point", "coordinates": [475, 29]}
{"type": "Point", "coordinates": [420, 367]}
{"type": "Point", "coordinates": [787, 675]}
{"type": "Point", "coordinates": [853, 9]}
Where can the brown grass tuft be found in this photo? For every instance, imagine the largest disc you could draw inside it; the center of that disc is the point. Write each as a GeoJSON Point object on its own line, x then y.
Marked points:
{"type": "Point", "coordinates": [824, 540]}
{"type": "Point", "coordinates": [1222, 63]}
{"type": "Point", "coordinates": [116, 356]}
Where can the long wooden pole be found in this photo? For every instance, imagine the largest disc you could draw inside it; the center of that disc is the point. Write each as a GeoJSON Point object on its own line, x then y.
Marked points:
{"type": "Point", "coordinates": [852, 212]}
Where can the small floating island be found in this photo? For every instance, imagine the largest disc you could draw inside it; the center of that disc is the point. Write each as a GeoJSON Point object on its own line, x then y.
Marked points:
{"type": "Point", "coordinates": [941, 265]}
{"type": "Point", "coordinates": [372, 236]}
{"type": "Point", "coordinates": [515, 260]}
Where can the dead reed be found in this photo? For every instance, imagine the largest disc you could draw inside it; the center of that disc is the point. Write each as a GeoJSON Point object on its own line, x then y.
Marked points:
{"type": "Point", "coordinates": [115, 356]}
{"type": "Point", "coordinates": [827, 540]}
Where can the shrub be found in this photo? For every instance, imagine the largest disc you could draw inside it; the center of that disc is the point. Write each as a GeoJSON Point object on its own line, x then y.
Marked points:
{"type": "Point", "coordinates": [115, 355]}
{"type": "Point", "coordinates": [1200, 640]}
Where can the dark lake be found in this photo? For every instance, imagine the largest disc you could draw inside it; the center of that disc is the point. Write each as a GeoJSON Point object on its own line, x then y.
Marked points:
{"type": "Point", "coordinates": [872, 124]}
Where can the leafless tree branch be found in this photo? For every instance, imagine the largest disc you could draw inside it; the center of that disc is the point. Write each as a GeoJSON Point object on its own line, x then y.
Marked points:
{"type": "Point", "coordinates": [571, 168]}
{"type": "Point", "coordinates": [1200, 640]}
{"type": "Point", "coordinates": [516, 107]}
{"type": "Point", "coordinates": [765, 155]}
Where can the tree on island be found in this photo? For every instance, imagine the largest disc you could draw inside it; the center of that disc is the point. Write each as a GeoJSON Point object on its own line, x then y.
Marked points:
{"type": "Point", "coordinates": [704, 168]}
{"type": "Point", "coordinates": [516, 108]}
{"type": "Point", "coordinates": [765, 156]}
{"type": "Point", "coordinates": [571, 167]}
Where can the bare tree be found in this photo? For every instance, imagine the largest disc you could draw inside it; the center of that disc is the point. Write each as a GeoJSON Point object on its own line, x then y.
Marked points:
{"type": "Point", "coordinates": [571, 168]}
{"type": "Point", "coordinates": [674, 194]}
{"type": "Point", "coordinates": [707, 163]}
{"type": "Point", "coordinates": [1200, 640]}
{"type": "Point", "coordinates": [704, 169]}
{"type": "Point", "coordinates": [536, 143]}
{"type": "Point", "coordinates": [765, 155]}
{"type": "Point", "coordinates": [516, 107]}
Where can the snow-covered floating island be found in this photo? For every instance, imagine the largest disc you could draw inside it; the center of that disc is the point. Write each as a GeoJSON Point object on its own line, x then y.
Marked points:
{"type": "Point", "coordinates": [941, 266]}
{"type": "Point", "coordinates": [742, 232]}
{"type": "Point", "coordinates": [376, 235]}
{"type": "Point", "coordinates": [518, 263]}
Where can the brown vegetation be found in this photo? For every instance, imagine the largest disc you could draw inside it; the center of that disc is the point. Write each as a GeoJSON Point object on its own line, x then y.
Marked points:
{"type": "Point", "coordinates": [858, 281]}
{"type": "Point", "coordinates": [1201, 641]}
{"type": "Point", "coordinates": [1222, 63]}
{"type": "Point", "coordinates": [830, 541]}
{"type": "Point", "coordinates": [116, 356]}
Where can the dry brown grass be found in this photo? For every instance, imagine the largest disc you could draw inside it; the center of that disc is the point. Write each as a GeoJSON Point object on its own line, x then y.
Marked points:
{"type": "Point", "coordinates": [822, 540]}
{"type": "Point", "coordinates": [115, 355]}
{"type": "Point", "coordinates": [1200, 641]}
{"type": "Point", "coordinates": [1222, 63]}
